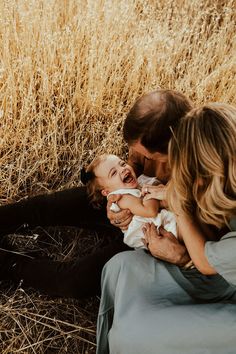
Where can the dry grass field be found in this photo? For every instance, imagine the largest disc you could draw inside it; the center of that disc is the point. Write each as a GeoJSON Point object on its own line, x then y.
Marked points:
{"type": "Point", "coordinates": [69, 72]}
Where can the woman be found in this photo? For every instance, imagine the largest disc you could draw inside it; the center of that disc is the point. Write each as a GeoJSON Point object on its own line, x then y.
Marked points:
{"type": "Point", "coordinates": [176, 306]}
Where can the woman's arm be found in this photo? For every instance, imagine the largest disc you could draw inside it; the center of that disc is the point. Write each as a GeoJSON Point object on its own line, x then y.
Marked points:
{"type": "Point", "coordinates": [138, 206]}
{"type": "Point", "coordinates": [194, 240]}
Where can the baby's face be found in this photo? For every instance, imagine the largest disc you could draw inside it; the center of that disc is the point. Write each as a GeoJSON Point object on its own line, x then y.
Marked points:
{"type": "Point", "coordinates": [114, 173]}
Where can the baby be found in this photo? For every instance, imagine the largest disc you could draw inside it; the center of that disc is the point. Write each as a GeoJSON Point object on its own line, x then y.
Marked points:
{"type": "Point", "coordinates": [107, 175]}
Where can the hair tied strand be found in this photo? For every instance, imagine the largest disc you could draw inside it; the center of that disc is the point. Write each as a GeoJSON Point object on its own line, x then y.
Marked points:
{"type": "Point", "coordinates": [86, 176]}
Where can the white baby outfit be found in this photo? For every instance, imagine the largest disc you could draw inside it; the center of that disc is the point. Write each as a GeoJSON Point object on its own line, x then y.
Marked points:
{"type": "Point", "coordinates": [133, 236]}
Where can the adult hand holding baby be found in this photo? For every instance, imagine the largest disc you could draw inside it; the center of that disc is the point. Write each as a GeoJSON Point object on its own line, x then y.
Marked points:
{"type": "Point", "coordinates": [164, 245]}
{"type": "Point", "coordinates": [121, 218]}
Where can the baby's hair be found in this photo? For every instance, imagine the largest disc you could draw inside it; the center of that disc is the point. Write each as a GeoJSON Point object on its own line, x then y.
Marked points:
{"type": "Point", "coordinates": [89, 178]}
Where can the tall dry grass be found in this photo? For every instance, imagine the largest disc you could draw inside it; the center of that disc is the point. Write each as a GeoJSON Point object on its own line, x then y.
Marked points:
{"type": "Point", "coordinates": [71, 69]}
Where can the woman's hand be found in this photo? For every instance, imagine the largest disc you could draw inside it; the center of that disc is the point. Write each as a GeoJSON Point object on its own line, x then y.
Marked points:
{"type": "Point", "coordinates": [154, 192]}
{"type": "Point", "coordinates": [121, 218]}
{"type": "Point", "coordinates": [164, 245]}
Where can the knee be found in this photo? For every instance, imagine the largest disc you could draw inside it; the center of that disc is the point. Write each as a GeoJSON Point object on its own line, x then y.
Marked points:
{"type": "Point", "coordinates": [113, 267]}
{"type": "Point", "coordinates": [111, 274]}
{"type": "Point", "coordinates": [121, 262]}
{"type": "Point", "coordinates": [118, 261]}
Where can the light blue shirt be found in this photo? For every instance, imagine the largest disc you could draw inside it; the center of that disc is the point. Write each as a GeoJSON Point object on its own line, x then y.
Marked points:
{"type": "Point", "coordinates": [222, 254]}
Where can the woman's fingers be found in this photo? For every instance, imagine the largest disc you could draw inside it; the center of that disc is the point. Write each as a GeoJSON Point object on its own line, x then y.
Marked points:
{"type": "Point", "coordinates": [154, 192]}
{"type": "Point", "coordinates": [147, 188]}
{"type": "Point", "coordinates": [149, 196]}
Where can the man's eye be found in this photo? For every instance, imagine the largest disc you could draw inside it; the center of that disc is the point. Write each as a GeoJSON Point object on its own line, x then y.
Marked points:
{"type": "Point", "coordinates": [113, 173]}
{"type": "Point", "coordinates": [123, 163]}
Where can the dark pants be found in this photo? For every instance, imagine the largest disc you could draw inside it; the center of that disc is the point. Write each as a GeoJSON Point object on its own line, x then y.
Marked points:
{"type": "Point", "coordinates": [79, 278]}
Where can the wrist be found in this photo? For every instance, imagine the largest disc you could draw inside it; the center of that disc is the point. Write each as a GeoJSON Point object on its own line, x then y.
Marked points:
{"type": "Point", "coordinates": [182, 256]}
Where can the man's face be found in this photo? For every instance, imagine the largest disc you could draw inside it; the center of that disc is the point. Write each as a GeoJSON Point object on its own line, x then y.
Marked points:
{"type": "Point", "coordinates": [138, 147]}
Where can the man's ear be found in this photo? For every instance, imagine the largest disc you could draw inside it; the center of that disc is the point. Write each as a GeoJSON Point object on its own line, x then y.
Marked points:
{"type": "Point", "coordinates": [105, 192]}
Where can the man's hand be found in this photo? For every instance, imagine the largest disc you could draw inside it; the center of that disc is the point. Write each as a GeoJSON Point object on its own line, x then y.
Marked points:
{"type": "Point", "coordinates": [121, 218]}
{"type": "Point", "coordinates": [164, 245]}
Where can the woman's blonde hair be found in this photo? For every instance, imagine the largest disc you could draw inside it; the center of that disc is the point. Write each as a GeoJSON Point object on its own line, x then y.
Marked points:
{"type": "Point", "coordinates": [202, 156]}
{"type": "Point", "coordinates": [92, 184]}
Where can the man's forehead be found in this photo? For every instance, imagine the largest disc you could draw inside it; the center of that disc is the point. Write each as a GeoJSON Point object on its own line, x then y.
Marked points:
{"type": "Point", "coordinates": [150, 103]}
{"type": "Point", "coordinates": [138, 147]}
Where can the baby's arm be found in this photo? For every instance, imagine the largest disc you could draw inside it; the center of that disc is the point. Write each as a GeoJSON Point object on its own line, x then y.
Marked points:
{"type": "Point", "coordinates": [137, 206]}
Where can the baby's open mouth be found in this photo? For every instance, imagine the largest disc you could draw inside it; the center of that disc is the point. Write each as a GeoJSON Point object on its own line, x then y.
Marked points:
{"type": "Point", "coordinates": [128, 178]}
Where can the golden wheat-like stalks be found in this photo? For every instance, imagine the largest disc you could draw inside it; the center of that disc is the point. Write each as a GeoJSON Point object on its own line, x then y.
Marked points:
{"type": "Point", "coordinates": [69, 72]}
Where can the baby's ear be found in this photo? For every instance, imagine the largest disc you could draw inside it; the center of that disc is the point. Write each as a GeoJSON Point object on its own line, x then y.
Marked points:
{"type": "Point", "coordinates": [105, 192]}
